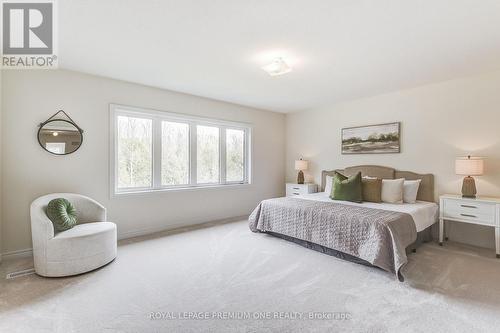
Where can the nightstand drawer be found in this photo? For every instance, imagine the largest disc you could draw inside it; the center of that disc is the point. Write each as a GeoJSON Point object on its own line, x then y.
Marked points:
{"type": "Point", "coordinates": [299, 189]}
{"type": "Point", "coordinates": [470, 217]}
{"type": "Point", "coordinates": [468, 207]}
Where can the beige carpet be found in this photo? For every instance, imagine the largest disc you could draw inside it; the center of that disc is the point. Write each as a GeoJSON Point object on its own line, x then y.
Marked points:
{"type": "Point", "coordinates": [226, 270]}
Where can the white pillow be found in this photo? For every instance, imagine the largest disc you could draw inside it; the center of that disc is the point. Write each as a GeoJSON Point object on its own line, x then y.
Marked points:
{"type": "Point", "coordinates": [328, 184]}
{"type": "Point", "coordinates": [392, 190]}
{"type": "Point", "coordinates": [410, 190]}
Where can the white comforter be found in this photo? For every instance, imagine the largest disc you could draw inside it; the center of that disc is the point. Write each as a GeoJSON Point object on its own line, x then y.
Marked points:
{"type": "Point", "coordinates": [424, 213]}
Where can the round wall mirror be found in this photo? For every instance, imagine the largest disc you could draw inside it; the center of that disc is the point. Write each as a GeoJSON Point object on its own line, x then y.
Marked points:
{"type": "Point", "coordinates": [60, 137]}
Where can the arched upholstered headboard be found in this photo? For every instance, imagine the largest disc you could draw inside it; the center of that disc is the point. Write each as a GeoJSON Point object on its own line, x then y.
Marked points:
{"type": "Point", "coordinates": [425, 191]}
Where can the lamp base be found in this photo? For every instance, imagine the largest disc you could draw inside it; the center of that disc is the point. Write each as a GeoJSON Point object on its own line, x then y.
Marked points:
{"type": "Point", "coordinates": [469, 188]}
{"type": "Point", "coordinates": [300, 177]}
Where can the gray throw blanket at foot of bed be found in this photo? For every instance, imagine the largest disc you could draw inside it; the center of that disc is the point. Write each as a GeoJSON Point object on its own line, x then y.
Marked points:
{"type": "Point", "coordinates": [378, 236]}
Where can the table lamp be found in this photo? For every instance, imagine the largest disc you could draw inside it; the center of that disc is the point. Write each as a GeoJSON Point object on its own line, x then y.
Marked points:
{"type": "Point", "coordinates": [300, 165]}
{"type": "Point", "coordinates": [469, 166]}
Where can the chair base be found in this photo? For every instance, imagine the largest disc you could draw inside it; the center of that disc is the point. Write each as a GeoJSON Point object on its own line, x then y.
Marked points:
{"type": "Point", "coordinates": [76, 267]}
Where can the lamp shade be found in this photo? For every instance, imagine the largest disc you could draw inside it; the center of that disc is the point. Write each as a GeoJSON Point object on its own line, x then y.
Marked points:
{"type": "Point", "coordinates": [469, 166]}
{"type": "Point", "coordinates": [301, 165]}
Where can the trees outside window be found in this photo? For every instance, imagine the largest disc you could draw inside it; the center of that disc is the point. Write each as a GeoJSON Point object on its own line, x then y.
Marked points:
{"type": "Point", "coordinates": [153, 150]}
{"type": "Point", "coordinates": [134, 152]}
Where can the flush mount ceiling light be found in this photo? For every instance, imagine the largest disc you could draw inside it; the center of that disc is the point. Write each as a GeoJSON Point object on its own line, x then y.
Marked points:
{"type": "Point", "coordinates": [277, 67]}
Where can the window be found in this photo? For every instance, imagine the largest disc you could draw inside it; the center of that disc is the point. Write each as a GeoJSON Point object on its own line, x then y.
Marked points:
{"type": "Point", "coordinates": [207, 149]}
{"type": "Point", "coordinates": [56, 147]}
{"type": "Point", "coordinates": [134, 152]}
{"type": "Point", "coordinates": [235, 155]}
{"type": "Point", "coordinates": [154, 150]}
{"type": "Point", "coordinates": [174, 153]}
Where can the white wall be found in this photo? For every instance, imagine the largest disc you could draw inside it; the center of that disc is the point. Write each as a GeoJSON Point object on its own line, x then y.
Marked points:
{"type": "Point", "coordinates": [439, 122]}
{"type": "Point", "coordinates": [30, 97]}
{"type": "Point", "coordinates": [1, 94]}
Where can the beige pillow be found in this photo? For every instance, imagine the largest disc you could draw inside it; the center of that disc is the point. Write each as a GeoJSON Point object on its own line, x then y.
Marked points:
{"type": "Point", "coordinates": [392, 190]}
{"type": "Point", "coordinates": [372, 189]}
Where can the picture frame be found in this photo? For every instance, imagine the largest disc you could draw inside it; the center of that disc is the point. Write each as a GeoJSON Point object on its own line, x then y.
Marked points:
{"type": "Point", "coordinates": [371, 139]}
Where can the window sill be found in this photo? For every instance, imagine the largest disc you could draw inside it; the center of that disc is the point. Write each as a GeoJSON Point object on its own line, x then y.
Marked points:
{"type": "Point", "coordinates": [180, 189]}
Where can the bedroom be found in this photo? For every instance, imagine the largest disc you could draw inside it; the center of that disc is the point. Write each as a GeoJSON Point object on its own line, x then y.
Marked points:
{"type": "Point", "coordinates": [180, 255]}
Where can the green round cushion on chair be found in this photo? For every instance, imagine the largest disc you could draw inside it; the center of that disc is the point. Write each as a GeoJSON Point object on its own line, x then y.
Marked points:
{"type": "Point", "coordinates": [62, 214]}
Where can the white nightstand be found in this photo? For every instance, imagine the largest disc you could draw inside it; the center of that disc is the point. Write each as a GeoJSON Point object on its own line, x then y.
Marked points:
{"type": "Point", "coordinates": [482, 210]}
{"type": "Point", "coordinates": [298, 189]}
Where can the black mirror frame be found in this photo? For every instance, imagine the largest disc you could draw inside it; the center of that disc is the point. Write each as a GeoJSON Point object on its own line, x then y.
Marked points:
{"type": "Point", "coordinates": [51, 119]}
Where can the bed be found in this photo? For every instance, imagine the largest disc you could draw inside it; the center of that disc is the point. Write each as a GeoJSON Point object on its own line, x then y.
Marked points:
{"type": "Point", "coordinates": [374, 234]}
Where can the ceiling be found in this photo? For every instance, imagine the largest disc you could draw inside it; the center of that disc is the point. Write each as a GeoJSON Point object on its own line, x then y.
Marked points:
{"type": "Point", "coordinates": [339, 49]}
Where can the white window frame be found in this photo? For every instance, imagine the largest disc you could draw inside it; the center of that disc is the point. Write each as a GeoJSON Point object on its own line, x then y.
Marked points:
{"type": "Point", "coordinates": [157, 117]}
{"type": "Point", "coordinates": [56, 144]}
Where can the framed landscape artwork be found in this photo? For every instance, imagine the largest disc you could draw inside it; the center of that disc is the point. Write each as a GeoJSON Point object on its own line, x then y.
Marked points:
{"type": "Point", "coordinates": [372, 139]}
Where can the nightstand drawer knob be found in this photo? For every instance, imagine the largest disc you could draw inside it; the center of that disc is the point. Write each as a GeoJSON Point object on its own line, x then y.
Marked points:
{"type": "Point", "coordinates": [296, 188]}
{"type": "Point", "coordinates": [468, 215]}
{"type": "Point", "coordinates": [468, 206]}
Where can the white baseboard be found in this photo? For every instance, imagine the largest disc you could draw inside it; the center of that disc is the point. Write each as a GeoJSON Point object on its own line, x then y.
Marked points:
{"type": "Point", "coordinates": [17, 254]}
{"type": "Point", "coordinates": [149, 231]}
{"type": "Point", "coordinates": [133, 233]}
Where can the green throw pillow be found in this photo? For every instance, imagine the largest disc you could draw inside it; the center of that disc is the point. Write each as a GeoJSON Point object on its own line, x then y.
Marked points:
{"type": "Point", "coordinates": [347, 188]}
{"type": "Point", "coordinates": [62, 214]}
